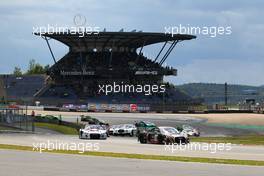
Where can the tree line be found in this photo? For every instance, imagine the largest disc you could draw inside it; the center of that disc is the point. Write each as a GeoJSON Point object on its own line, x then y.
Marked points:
{"type": "Point", "coordinates": [33, 68]}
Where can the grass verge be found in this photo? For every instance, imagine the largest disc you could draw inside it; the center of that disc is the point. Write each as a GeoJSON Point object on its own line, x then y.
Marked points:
{"type": "Point", "coordinates": [59, 128]}
{"type": "Point", "coordinates": [142, 156]}
{"type": "Point", "coordinates": [246, 140]}
{"type": "Point", "coordinates": [238, 126]}
{"type": "Point", "coordinates": [6, 128]}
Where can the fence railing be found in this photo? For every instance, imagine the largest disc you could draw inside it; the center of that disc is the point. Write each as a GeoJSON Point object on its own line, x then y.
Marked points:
{"type": "Point", "coordinates": [16, 119]}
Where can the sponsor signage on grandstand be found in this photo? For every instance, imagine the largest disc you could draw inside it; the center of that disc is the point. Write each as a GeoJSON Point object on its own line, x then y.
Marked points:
{"type": "Point", "coordinates": [146, 73]}
{"type": "Point", "coordinates": [76, 73]}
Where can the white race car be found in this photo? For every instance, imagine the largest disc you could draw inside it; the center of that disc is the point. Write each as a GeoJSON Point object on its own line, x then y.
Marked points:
{"type": "Point", "coordinates": [124, 129]}
{"type": "Point", "coordinates": [190, 131]}
{"type": "Point", "coordinates": [93, 132]}
{"type": "Point", "coordinates": [173, 135]}
{"type": "Point", "coordinates": [112, 128]}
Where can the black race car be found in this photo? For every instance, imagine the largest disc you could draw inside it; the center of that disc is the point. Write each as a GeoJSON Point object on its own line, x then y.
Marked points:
{"type": "Point", "coordinates": [163, 135]}
{"type": "Point", "coordinates": [151, 136]}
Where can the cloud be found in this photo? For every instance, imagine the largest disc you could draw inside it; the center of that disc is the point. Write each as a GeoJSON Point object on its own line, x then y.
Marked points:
{"type": "Point", "coordinates": [248, 72]}
{"type": "Point", "coordinates": [244, 47]}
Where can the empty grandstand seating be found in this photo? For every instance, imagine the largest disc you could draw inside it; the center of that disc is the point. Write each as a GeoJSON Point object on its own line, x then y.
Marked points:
{"type": "Point", "coordinates": [23, 87]}
{"type": "Point", "coordinates": [63, 92]}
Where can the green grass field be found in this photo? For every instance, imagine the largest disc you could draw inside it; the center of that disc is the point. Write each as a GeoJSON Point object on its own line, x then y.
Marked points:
{"type": "Point", "coordinates": [238, 126]}
{"type": "Point", "coordinates": [6, 128]}
{"type": "Point", "coordinates": [246, 140]}
{"type": "Point", "coordinates": [59, 128]}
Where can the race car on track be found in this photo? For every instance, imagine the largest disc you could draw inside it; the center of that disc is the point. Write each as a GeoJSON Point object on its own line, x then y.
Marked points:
{"type": "Point", "coordinates": [111, 129]}
{"type": "Point", "coordinates": [190, 131]}
{"type": "Point", "coordinates": [173, 135]}
{"type": "Point", "coordinates": [163, 135]}
{"type": "Point", "coordinates": [92, 121]}
{"type": "Point", "coordinates": [93, 132]}
{"type": "Point", "coordinates": [143, 126]}
{"type": "Point", "coordinates": [123, 129]}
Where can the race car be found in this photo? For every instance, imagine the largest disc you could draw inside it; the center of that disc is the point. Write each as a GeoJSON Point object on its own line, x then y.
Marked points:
{"type": "Point", "coordinates": [92, 121]}
{"type": "Point", "coordinates": [143, 126]}
{"type": "Point", "coordinates": [173, 135]}
{"type": "Point", "coordinates": [190, 131]}
{"type": "Point", "coordinates": [93, 132]}
{"type": "Point", "coordinates": [123, 129]}
{"type": "Point", "coordinates": [163, 135]}
{"type": "Point", "coordinates": [112, 128]}
{"type": "Point", "coordinates": [151, 136]}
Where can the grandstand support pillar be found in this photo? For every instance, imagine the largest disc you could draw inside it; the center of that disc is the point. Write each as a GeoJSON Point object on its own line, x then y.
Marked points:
{"type": "Point", "coordinates": [140, 50]}
{"type": "Point", "coordinates": [50, 50]}
{"type": "Point", "coordinates": [160, 51]}
{"type": "Point", "coordinates": [174, 43]}
{"type": "Point", "coordinates": [111, 54]}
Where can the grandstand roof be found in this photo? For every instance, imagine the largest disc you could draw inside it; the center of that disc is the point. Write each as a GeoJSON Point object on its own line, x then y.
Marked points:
{"type": "Point", "coordinates": [104, 40]}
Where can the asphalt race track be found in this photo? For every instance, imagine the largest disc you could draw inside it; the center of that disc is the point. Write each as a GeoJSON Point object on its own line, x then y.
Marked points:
{"type": "Point", "coordinates": [14, 163]}
{"type": "Point", "coordinates": [131, 145]}
{"type": "Point", "coordinates": [160, 120]}
{"type": "Point", "coordinates": [28, 163]}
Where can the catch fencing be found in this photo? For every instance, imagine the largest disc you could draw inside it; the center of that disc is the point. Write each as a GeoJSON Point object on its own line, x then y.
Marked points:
{"type": "Point", "coordinates": [16, 119]}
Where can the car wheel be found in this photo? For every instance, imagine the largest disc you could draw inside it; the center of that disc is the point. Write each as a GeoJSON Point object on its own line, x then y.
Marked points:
{"type": "Point", "coordinates": [142, 140]}
{"type": "Point", "coordinates": [186, 141]}
{"type": "Point", "coordinates": [80, 135]}
{"type": "Point", "coordinates": [132, 133]}
{"type": "Point", "coordinates": [166, 141]}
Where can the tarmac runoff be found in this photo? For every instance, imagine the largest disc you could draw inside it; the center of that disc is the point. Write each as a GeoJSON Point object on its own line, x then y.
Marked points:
{"type": "Point", "coordinates": [22, 163]}
{"type": "Point", "coordinates": [132, 146]}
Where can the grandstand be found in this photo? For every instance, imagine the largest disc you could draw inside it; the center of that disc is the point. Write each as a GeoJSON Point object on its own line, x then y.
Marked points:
{"type": "Point", "coordinates": [108, 57]}
{"type": "Point", "coordinates": [100, 59]}
{"type": "Point", "coordinates": [20, 88]}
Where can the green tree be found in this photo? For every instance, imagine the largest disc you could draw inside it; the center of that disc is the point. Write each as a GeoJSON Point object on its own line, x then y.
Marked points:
{"type": "Point", "coordinates": [35, 68]}
{"type": "Point", "coordinates": [17, 71]}
{"type": "Point", "coordinates": [46, 68]}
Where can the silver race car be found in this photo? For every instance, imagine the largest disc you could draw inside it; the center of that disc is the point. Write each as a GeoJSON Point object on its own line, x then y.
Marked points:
{"type": "Point", "coordinates": [111, 129]}
{"type": "Point", "coordinates": [190, 131]}
{"type": "Point", "coordinates": [123, 129]}
{"type": "Point", "coordinates": [93, 132]}
{"type": "Point", "coordinates": [173, 135]}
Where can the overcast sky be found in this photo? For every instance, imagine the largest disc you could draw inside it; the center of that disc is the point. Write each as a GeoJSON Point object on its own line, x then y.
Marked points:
{"type": "Point", "coordinates": [237, 58]}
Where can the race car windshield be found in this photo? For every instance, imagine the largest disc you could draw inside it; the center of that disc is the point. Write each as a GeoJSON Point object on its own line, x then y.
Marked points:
{"type": "Point", "coordinates": [129, 126]}
{"type": "Point", "coordinates": [95, 128]}
{"type": "Point", "coordinates": [150, 124]}
{"type": "Point", "coordinates": [171, 130]}
{"type": "Point", "coordinates": [187, 127]}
